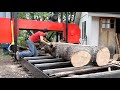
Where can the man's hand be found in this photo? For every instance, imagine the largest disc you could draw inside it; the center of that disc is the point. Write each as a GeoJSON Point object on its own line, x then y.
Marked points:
{"type": "Point", "coordinates": [50, 44]}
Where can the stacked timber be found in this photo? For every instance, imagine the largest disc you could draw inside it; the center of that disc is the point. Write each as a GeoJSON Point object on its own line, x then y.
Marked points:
{"type": "Point", "coordinates": [81, 55]}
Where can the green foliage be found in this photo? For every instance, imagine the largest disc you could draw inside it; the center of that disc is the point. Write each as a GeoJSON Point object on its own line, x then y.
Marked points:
{"type": "Point", "coordinates": [49, 37]}
{"type": "Point", "coordinates": [22, 38]}
{"type": "Point", "coordinates": [34, 15]}
{"type": "Point", "coordinates": [21, 41]}
{"type": "Point", "coordinates": [0, 46]}
{"type": "Point", "coordinates": [43, 16]}
{"type": "Point", "coordinates": [22, 15]}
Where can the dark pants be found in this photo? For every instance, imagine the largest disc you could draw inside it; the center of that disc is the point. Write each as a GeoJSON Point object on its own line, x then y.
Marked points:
{"type": "Point", "coordinates": [5, 48]}
{"type": "Point", "coordinates": [31, 52]}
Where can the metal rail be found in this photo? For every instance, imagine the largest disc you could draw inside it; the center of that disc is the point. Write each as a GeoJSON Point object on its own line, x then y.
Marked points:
{"type": "Point", "coordinates": [37, 73]}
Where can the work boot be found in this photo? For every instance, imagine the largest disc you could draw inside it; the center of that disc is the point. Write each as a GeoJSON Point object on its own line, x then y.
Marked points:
{"type": "Point", "coordinates": [17, 55]}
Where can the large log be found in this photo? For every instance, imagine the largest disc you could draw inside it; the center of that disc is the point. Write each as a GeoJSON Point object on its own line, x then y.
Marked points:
{"type": "Point", "coordinates": [60, 49]}
{"type": "Point", "coordinates": [99, 55]}
{"type": "Point", "coordinates": [81, 55]}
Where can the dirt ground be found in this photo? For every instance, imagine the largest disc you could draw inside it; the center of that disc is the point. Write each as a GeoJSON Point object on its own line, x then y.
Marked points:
{"type": "Point", "coordinates": [10, 69]}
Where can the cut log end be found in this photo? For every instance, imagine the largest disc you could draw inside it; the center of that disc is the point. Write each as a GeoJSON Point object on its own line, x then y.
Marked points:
{"type": "Point", "coordinates": [103, 57]}
{"type": "Point", "coordinates": [80, 59]}
{"type": "Point", "coordinates": [115, 57]}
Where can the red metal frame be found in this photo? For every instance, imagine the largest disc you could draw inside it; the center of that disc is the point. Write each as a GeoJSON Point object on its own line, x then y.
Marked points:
{"type": "Point", "coordinates": [6, 34]}
{"type": "Point", "coordinates": [5, 30]}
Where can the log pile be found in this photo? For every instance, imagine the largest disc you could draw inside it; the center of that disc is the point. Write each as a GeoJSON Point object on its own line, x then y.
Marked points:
{"type": "Point", "coordinates": [80, 55]}
{"type": "Point", "coordinates": [116, 57]}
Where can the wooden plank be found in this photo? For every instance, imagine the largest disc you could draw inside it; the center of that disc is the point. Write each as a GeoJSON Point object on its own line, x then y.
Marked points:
{"type": "Point", "coordinates": [118, 42]}
{"type": "Point", "coordinates": [118, 35]}
{"type": "Point", "coordinates": [111, 41]}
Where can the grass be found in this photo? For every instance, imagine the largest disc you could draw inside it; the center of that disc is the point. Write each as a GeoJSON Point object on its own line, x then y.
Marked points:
{"type": "Point", "coordinates": [3, 56]}
{"type": "Point", "coordinates": [6, 55]}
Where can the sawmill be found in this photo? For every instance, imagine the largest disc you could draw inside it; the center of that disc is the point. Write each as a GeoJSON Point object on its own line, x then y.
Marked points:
{"type": "Point", "coordinates": [67, 58]}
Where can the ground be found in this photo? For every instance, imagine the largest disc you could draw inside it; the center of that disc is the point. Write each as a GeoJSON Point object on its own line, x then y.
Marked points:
{"type": "Point", "coordinates": [10, 69]}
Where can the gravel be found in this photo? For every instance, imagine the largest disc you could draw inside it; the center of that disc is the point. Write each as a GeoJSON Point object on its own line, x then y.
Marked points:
{"type": "Point", "coordinates": [10, 69]}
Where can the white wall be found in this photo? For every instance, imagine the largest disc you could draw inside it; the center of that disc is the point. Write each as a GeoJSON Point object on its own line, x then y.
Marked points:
{"type": "Point", "coordinates": [84, 17]}
{"type": "Point", "coordinates": [5, 14]}
{"type": "Point", "coordinates": [92, 28]}
{"type": "Point", "coordinates": [88, 29]}
{"type": "Point", "coordinates": [8, 15]}
{"type": "Point", "coordinates": [94, 32]}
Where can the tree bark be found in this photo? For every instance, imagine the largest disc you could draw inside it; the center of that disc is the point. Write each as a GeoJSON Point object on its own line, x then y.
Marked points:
{"type": "Point", "coordinates": [60, 49]}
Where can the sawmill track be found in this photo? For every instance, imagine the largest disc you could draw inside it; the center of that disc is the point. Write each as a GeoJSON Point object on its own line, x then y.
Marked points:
{"type": "Point", "coordinates": [49, 67]}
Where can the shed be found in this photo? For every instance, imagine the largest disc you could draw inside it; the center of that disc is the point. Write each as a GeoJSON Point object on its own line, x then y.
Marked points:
{"type": "Point", "coordinates": [100, 28]}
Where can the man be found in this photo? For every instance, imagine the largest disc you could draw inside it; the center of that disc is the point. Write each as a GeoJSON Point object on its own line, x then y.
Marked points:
{"type": "Point", "coordinates": [31, 44]}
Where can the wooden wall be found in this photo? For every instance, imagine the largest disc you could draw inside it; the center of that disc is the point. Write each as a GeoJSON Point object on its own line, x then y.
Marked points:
{"type": "Point", "coordinates": [107, 37]}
